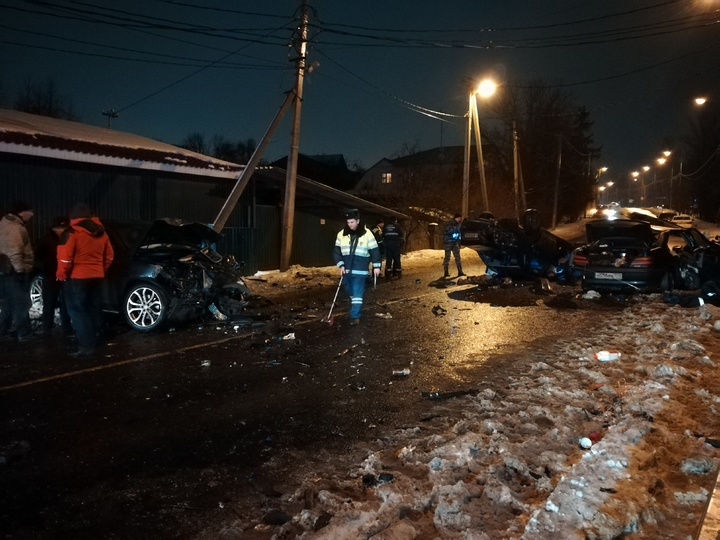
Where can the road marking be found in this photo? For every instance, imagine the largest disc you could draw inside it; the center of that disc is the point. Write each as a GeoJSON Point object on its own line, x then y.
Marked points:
{"type": "Point", "coordinates": [60, 376]}
{"type": "Point", "coordinates": [120, 363]}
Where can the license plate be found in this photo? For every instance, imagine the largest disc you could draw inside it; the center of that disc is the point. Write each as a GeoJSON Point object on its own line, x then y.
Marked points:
{"type": "Point", "coordinates": [608, 275]}
{"type": "Point", "coordinates": [473, 235]}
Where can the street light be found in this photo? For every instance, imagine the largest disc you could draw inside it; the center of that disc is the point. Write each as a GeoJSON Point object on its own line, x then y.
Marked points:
{"type": "Point", "coordinates": [485, 89]}
{"type": "Point", "coordinates": [700, 101]}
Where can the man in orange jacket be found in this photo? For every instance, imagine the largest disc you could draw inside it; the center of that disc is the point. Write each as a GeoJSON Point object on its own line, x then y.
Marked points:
{"type": "Point", "coordinates": [84, 255]}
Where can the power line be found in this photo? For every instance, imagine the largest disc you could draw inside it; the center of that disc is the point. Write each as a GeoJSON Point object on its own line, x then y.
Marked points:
{"type": "Point", "coordinates": [182, 79]}
{"type": "Point", "coordinates": [195, 61]}
{"type": "Point", "coordinates": [511, 28]}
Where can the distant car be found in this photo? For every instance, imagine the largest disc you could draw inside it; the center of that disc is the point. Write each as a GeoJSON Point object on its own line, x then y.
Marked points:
{"type": "Point", "coordinates": [167, 270]}
{"type": "Point", "coordinates": [656, 223]}
{"type": "Point", "coordinates": [666, 215]}
{"type": "Point", "coordinates": [512, 249]}
{"type": "Point", "coordinates": [629, 256]}
{"type": "Point", "coordinates": [683, 220]}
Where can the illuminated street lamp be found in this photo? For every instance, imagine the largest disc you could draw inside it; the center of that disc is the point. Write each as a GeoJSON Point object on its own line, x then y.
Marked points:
{"type": "Point", "coordinates": [485, 89]}
{"type": "Point", "coordinates": [700, 101]}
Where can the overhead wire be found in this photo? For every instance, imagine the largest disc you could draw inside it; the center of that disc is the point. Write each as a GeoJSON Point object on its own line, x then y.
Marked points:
{"type": "Point", "coordinates": [182, 79]}
{"type": "Point", "coordinates": [512, 28]}
{"type": "Point", "coordinates": [438, 115]}
{"type": "Point", "coordinates": [196, 61]}
{"type": "Point", "coordinates": [87, 12]}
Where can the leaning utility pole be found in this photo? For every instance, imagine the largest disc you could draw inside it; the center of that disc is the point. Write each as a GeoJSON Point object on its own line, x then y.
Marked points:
{"type": "Point", "coordinates": [244, 177]}
{"type": "Point", "coordinates": [291, 179]}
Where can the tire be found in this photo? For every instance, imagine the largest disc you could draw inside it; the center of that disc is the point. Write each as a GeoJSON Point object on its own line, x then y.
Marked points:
{"type": "Point", "coordinates": [36, 299]}
{"type": "Point", "coordinates": [667, 283]}
{"type": "Point", "coordinates": [145, 306]}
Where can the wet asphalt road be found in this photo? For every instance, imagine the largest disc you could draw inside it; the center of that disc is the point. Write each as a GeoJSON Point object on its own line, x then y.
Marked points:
{"type": "Point", "coordinates": [164, 433]}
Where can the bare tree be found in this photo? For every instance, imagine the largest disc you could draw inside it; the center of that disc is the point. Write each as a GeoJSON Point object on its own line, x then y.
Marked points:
{"type": "Point", "coordinates": [196, 142]}
{"type": "Point", "coordinates": [548, 121]}
{"type": "Point", "coordinates": [44, 98]}
{"type": "Point", "coordinates": [236, 152]}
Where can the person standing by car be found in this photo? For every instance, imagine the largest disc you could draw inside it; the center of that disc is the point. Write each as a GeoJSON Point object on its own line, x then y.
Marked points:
{"type": "Point", "coordinates": [355, 249]}
{"type": "Point", "coordinates": [394, 238]}
{"type": "Point", "coordinates": [84, 254]}
{"type": "Point", "coordinates": [46, 263]}
{"type": "Point", "coordinates": [16, 264]}
{"type": "Point", "coordinates": [451, 244]}
{"type": "Point", "coordinates": [377, 231]}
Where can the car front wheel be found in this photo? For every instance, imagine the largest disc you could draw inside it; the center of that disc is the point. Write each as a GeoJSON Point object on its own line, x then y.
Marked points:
{"type": "Point", "coordinates": [36, 299]}
{"type": "Point", "coordinates": [145, 306]}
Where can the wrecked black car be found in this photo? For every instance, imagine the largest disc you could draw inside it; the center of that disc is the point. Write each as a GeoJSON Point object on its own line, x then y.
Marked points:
{"type": "Point", "coordinates": [168, 271]}
{"type": "Point", "coordinates": [696, 259]}
{"type": "Point", "coordinates": [622, 255]}
{"type": "Point", "coordinates": [630, 256]}
{"type": "Point", "coordinates": [517, 250]}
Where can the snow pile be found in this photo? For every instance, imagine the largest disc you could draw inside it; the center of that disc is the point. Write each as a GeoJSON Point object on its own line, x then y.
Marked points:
{"type": "Point", "coordinates": [507, 463]}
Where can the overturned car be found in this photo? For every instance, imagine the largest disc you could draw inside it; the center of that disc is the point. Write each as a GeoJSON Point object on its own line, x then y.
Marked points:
{"type": "Point", "coordinates": [168, 271]}
{"type": "Point", "coordinates": [517, 250]}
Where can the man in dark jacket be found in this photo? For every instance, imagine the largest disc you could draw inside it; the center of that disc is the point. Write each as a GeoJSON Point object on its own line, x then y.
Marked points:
{"type": "Point", "coordinates": [394, 238]}
{"type": "Point", "coordinates": [84, 255]}
{"type": "Point", "coordinates": [355, 249]}
{"type": "Point", "coordinates": [451, 244]}
{"type": "Point", "coordinates": [46, 263]}
{"type": "Point", "coordinates": [17, 255]}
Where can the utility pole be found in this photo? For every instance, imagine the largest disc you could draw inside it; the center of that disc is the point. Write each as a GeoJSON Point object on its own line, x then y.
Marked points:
{"type": "Point", "coordinates": [516, 170]}
{"type": "Point", "coordinates": [291, 179]}
{"type": "Point", "coordinates": [557, 182]}
{"type": "Point", "coordinates": [244, 177]}
{"type": "Point", "coordinates": [110, 113]}
{"type": "Point", "coordinates": [481, 163]}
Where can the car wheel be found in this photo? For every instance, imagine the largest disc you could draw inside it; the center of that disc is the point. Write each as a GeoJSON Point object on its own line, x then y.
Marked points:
{"type": "Point", "coordinates": [36, 300]}
{"type": "Point", "coordinates": [667, 283]}
{"type": "Point", "coordinates": [145, 306]}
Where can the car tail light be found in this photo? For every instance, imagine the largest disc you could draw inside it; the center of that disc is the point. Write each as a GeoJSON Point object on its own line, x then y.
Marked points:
{"type": "Point", "coordinates": [641, 262]}
{"type": "Point", "coordinates": [580, 260]}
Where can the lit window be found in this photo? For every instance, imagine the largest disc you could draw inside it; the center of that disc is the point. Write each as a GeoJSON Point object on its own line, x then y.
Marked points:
{"type": "Point", "coordinates": [386, 177]}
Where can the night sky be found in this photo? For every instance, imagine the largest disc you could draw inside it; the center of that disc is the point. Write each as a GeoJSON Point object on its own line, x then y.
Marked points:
{"type": "Point", "coordinates": [384, 72]}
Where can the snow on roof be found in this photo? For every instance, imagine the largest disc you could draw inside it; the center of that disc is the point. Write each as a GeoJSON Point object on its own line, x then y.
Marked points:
{"type": "Point", "coordinates": [30, 134]}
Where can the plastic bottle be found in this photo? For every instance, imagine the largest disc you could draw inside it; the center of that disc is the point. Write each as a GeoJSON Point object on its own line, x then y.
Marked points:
{"type": "Point", "coordinates": [401, 372]}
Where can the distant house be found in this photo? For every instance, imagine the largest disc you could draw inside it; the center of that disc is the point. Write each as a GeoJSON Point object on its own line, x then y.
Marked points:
{"type": "Point", "coordinates": [331, 170]}
{"type": "Point", "coordinates": [55, 163]}
{"type": "Point", "coordinates": [431, 179]}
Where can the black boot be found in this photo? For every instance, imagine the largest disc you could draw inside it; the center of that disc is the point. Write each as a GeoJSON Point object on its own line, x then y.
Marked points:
{"type": "Point", "coordinates": [447, 273]}
{"type": "Point", "coordinates": [460, 272]}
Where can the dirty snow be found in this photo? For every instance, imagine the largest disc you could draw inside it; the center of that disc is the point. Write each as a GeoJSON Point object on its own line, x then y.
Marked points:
{"type": "Point", "coordinates": [508, 463]}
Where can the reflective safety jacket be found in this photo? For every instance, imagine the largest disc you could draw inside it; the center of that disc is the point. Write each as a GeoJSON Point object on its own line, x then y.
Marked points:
{"type": "Point", "coordinates": [84, 251]}
{"type": "Point", "coordinates": [393, 235]}
{"type": "Point", "coordinates": [355, 250]}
